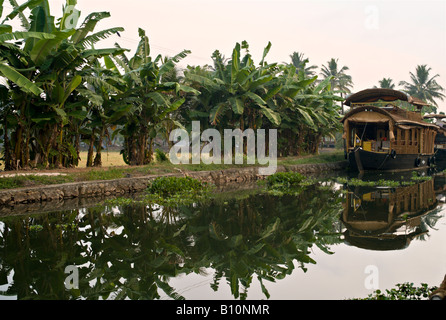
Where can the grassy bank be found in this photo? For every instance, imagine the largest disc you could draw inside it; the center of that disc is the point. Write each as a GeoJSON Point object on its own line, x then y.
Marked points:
{"type": "Point", "coordinates": [115, 168]}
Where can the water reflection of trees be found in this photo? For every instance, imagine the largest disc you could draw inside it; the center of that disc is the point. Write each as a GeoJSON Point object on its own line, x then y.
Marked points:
{"type": "Point", "coordinates": [133, 251]}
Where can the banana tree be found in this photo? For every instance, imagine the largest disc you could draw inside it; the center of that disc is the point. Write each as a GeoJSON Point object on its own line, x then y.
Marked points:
{"type": "Point", "coordinates": [245, 88]}
{"type": "Point", "coordinates": [150, 97]}
{"type": "Point", "coordinates": [50, 58]}
{"type": "Point", "coordinates": [308, 112]}
{"type": "Point", "coordinates": [320, 102]}
{"type": "Point", "coordinates": [235, 94]}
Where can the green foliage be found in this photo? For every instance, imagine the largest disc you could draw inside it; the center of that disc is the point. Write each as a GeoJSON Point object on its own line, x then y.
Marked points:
{"type": "Point", "coordinates": [64, 92]}
{"type": "Point", "coordinates": [168, 186]}
{"type": "Point", "coordinates": [425, 87]}
{"type": "Point", "coordinates": [361, 183]}
{"type": "Point", "coordinates": [355, 182]}
{"type": "Point", "coordinates": [45, 110]}
{"type": "Point", "coordinates": [289, 183]}
{"type": "Point", "coordinates": [160, 156]}
{"type": "Point", "coordinates": [285, 179]}
{"type": "Point", "coordinates": [170, 192]}
{"type": "Point", "coordinates": [109, 174]}
{"type": "Point", "coordinates": [32, 180]}
{"type": "Point", "coordinates": [403, 291]}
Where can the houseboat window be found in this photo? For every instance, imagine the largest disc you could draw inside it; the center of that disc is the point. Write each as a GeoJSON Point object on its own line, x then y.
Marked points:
{"type": "Point", "coordinates": [381, 134]}
{"type": "Point", "coordinates": [410, 137]}
{"type": "Point", "coordinates": [403, 137]}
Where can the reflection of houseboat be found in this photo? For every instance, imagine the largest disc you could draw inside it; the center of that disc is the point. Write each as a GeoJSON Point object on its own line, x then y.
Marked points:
{"type": "Point", "coordinates": [384, 130]}
{"type": "Point", "coordinates": [387, 219]}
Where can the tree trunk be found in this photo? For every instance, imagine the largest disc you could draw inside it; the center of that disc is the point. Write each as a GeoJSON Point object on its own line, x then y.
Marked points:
{"type": "Point", "coordinates": [150, 152]}
{"type": "Point", "coordinates": [50, 143]}
{"type": "Point", "coordinates": [77, 148]}
{"type": "Point", "coordinates": [300, 140]}
{"type": "Point", "coordinates": [8, 156]}
{"type": "Point", "coordinates": [27, 146]}
{"type": "Point", "coordinates": [98, 158]}
{"type": "Point", "coordinates": [91, 150]}
{"type": "Point", "coordinates": [59, 143]}
{"type": "Point", "coordinates": [317, 142]}
{"type": "Point", "coordinates": [142, 139]}
{"type": "Point", "coordinates": [18, 146]}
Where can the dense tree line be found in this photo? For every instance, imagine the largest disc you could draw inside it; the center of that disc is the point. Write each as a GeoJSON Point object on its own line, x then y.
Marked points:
{"type": "Point", "coordinates": [60, 91]}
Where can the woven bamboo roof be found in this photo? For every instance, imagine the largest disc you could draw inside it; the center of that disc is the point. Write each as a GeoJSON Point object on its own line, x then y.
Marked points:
{"type": "Point", "coordinates": [434, 116]}
{"type": "Point", "coordinates": [397, 115]}
{"type": "Point", "coordinates": [417, 102]}
{"type": "Point", "coordinates": [375, 94]}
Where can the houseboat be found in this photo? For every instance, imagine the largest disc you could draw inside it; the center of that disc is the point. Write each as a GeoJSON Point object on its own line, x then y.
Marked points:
{"type": "Point", "coordinates": [384, 130]}
{"type": "Point", "coordinates": [440, 139]}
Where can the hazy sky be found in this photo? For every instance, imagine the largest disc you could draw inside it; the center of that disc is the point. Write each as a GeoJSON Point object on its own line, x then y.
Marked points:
{"type": "Point", "coordinates": [375, 39]}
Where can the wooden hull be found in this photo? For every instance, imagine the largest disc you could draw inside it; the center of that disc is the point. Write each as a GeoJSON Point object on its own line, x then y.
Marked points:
{"type": "Point", "coordinates": [440, 155]}
{"type": "Point", "coordinates": [365, 160]}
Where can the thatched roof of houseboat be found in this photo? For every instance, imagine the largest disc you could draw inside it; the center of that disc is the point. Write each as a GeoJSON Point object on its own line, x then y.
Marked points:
{"type": "Point", "coordinates": [399, 116]}
{"type": "Point", "coordinates": [434, 116]}
{"type": "Point", "coordinates": [417, 102]}
{"type": "Point", "coordinates": [375, 94]}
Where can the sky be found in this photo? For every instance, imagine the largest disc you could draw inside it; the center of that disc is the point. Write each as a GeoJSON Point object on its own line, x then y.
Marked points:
{"type": "Point", "coordinates": [374, 39]}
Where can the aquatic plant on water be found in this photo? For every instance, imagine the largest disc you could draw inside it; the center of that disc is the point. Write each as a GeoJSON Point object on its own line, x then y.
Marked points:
{"type": "Point", "coordinates": [170, 192]}
{"type": "Point", "coordinates": [403, 291]}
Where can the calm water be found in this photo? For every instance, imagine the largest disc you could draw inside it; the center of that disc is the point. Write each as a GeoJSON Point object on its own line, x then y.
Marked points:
{"type": "Point", "coordinates": [320, 243]}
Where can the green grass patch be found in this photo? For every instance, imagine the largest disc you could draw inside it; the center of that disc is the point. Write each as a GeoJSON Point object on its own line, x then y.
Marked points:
{"type": "Point", "coordinates": [32, 180]}
{"type": "Point", "coordinates": [109, 174]}
{"type": "Point", "coordinates": [335, 156]}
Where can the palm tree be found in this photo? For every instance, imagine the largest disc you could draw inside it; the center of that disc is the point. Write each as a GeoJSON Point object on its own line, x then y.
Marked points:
{"type": "Point", "coordinates": [423, 86]}
{"type": "Point", "coordinates": [386, 83]}
{"type": "Point", "coordinates": [340, 81]}
{"type": "Point", "coordinates": [299, 61]}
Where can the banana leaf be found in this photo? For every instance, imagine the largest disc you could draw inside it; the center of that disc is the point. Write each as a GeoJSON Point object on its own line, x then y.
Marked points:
{"type": "Point", "coordinates": [271, 115]}
{"type": "Point", "coordinates": [24, 83]}
{"type": "Point", "coordinates": [44, 47]}
{"type": "Point", "coordinates": [237, 105]}
{"type": "Point", "coordinates": [88, 25]}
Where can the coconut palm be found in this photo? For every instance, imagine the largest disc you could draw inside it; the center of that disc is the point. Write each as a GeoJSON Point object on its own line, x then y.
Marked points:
{"type": "Point", "coordinates": [423, 86]}
{"type": "Point", "coordinates": [340, 81]}
{"type": "Point", "coordinates": [386, 83]}
{"type": "Point", "coordinates": [299, 61]}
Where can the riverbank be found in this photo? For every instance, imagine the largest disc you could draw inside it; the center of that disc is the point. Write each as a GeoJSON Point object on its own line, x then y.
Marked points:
{"type": "Point", "coordinates": [56, 195]}
{"type": "Point", "coordinates": [113, 170]}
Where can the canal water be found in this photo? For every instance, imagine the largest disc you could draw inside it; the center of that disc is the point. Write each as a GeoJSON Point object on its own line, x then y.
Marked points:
{"type": "Point", "coordinates": [328, 240]}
